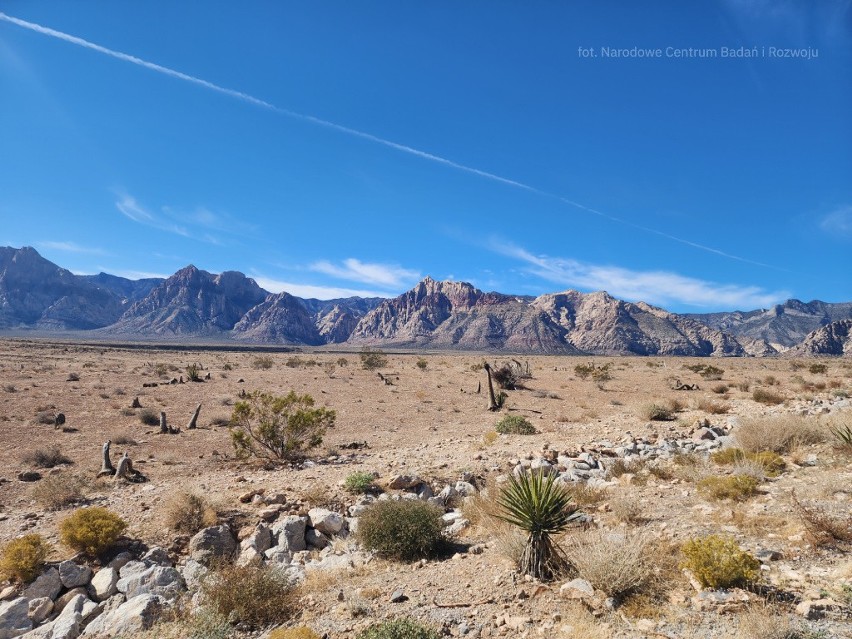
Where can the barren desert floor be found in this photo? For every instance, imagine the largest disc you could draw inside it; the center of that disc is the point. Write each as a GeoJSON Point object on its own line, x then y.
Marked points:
{"type": "Point", "coordinates": [430, 420]}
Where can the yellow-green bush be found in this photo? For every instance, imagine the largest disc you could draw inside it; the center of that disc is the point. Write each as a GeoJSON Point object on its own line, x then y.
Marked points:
{"type": "Point", "coordinates": [717, 561]}
{"type": "Point", "coordinates": [515, 425]}
{"type": "Point", "coordinates": [772, 463]}
{"type": "Point", "coordinates": [302, 632]}
{"type": "Point", "coordinates": [22, 559]}
{"type": "Point", "coordinates": [735, 487]}
{"type": "Point", "coordinates": [91, 530]}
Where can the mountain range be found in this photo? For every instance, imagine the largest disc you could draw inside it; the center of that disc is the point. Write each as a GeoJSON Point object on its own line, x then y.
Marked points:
{"type": "Point", "coordinates": [37, 295]}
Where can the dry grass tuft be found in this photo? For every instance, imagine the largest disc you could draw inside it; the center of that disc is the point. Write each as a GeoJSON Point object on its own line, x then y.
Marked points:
{"type": "Point", "coordinates": [823, 527]}
{"type": "Point", "coordinates": [762, 622]}
{"type": "Point", "coordinates": [763, 396]}
{"type": "Point", "coordinates": [779, 434]}
{"type": "Point", "coordinates": [250, 596]}
{"type": "Point", "coordinates": [188, 513]}
{"type": "Point", "coordinates": [55, 492]}
{"type": "Point", "coordinates": [45, 458]}
{"type": "Point", "coordinates": [614, 562]}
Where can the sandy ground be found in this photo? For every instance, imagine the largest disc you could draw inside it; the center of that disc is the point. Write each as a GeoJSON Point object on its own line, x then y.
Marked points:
{"type": "Point", "coordinates": [432, 422]}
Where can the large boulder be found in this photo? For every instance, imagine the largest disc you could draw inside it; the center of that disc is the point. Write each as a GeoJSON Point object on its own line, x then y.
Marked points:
{"type": "Point", "coordinates": [290, 532]}
{"type": "Point", "coordinates": [164, 581]}
{"type": "Point", "coordinates": [72, 574]}
{"type": "Point", "coordinates": [326, 521]}
{"type": "Point", "coordinates": [133, 615]}
{"type": "Point", "coordinates": [103, 584]}
{"type": "Point", "coordinates": [212, 543]}
{"type": "Point", "coordinates": [47, 584]}
{"type": "Point", "coordinates": [69, 624]}
{"type": "Point", "coordinates": [14, 618]}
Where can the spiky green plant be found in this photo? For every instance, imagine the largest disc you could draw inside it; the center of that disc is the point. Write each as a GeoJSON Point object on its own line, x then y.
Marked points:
{"type": "Point", "coordinates": [843, 435]}
{"type": "Point", "coordinates": [542, 508]}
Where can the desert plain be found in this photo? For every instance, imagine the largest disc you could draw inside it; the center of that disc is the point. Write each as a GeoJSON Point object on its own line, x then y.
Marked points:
{"type": "Point", "coordinates": [425, 415]}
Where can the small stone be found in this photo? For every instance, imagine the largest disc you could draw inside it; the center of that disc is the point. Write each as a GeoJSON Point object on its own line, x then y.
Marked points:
{"type": "Point", "coordinates": [325, 521]}
{"type": "Point", "coordinates": [40, 609]}
{"type": "Point", "coordinates": [404, 482]}
{"type": "Point", "coordinates": [398, 596]}
{"type": "Point", "coordinates": [103, 584]}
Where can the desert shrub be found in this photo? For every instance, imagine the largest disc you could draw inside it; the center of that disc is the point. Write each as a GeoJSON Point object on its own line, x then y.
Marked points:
{"type": "Point", "coordinates": [46, 417]}
{"type": "Point", "coordinates": [55, 492]}
{"type": "Point", "coordinates": [262, 363]}
{"type": "Point", "coordinates": [817, 369]}
{"type": "Point", "coordinates": [398, 629]}
{"type": "Point", "coordinates": [514, 425]}
{"type": "Point", "coordinates": [507, 376]}
{"type": "Point", "coordinates": [91, 530]}
{"type": "Point", "coordinates": [822, 526]}
{"type": "Point", "coordinates": [720, 389]}
{"type": "Point", "coordinates": [613, 562]}
{"type": "Point", "coordinates": [717, 561]}
{"type": "Point", "coordinates": [422, 364]}
{"type": "Point", "coordinates": [771, 380]}
{"type": "Point", "coordinates": [542, 508]}
{"type": "Point", "coordinates": [735, 487]}
{"type": "Point", "coordinates": [490, 437]}
{"type": "Point", "coordinates": [342, 361]}
{"type": "Point", "coordinates": [372, 358]}
{"type": "Point", "coordinates": [123, 440]}
{"type": "Point", "coordinates": [713, 408]}
{"type": "Point", "coordinates": [193, 373]}
{"type": "Point", "coordinates": [23, 558]}
{"type": "Point", "coordinates": [744, 386]}
{"type": "Point", "coordinates": [359, 482]}
{"type": "Point", "coordinates": [278, 427]}
{"type": "Point", "coordinates": [764, 396]}
{"type": "Point", "coordinates": [301, 632]}
{"type": "Point", "coordinates": [45, 458]}
{"type": "Point", "coordinates": [73, 377]}
{"type": "Point", "coordinates": [771, 462]}
{"type": "Point", "coordinates": [188, 513]}
{"type": "Point", "coordinates": [252, 597]}
{"type": "Point", "coordinates": [655, 412]}
{"type": "Point", "coordinates": [779, 434]}
{"type": "Point", "coordinates": [403, 530]}
{"type": "Point", "coordinates": [761, 622]}
{"type": "Point", "coordinates": [712, 373]}
{"type": "Point", "coordinates": [597, 373]}
{"type": "Point", "coordinates": [149, 417]}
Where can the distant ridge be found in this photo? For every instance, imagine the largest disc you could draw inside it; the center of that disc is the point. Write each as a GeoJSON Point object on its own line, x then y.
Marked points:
{"type": "Point", "coordinates": [36, 294]}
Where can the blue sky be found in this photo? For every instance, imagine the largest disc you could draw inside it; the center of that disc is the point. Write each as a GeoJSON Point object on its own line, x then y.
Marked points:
{"type": "Point", "coordinates": [342, 148]}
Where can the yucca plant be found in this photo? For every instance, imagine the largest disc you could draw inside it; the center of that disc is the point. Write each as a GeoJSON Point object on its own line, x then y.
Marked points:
{"type": "Point", "coordinates": [542, 508]}
{"type": "Point", "coordinates": [843, 435]}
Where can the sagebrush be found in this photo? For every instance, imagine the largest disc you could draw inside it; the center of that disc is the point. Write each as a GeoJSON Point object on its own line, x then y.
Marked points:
{"type": "Point", "coordinates": [91, 530]}
{"type": "Point", "coordinates": [717, 561]}
{"type": "Point", "coordinates": [22, 559]}
{"type": "Point", "coordinates": [403, 530]}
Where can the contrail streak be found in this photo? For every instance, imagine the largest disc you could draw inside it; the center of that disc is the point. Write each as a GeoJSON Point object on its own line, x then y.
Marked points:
{"type": "Point", "coordinates": [245, 97]}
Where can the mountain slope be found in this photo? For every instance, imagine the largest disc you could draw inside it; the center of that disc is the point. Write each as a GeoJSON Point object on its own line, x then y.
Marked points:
{"type": "Point", "coordinates": [833, 339]}
{"type": "Point", "coordinates": [455, 314]}
{"type": "Point", "coordinates": [191, 302]}
{"type": "Point", "coordinates": [36, 293]}
{"type": "Point", "coordinates": [782, 326]}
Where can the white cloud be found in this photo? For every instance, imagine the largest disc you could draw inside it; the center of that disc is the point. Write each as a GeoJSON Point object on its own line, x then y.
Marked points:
{"type": "Point", "coordinates": [385, 275]}
{"type": "Point", "coordinates": [655, 287]}
{"type": "Point", "coordinates": [312, 291]}
{"type": "Point", "coordinates": [133, 275]}
{"type": "Point", "coordinates": [70, 247]}
{"type": "Point", "coordinates": [131, 209]}
{"type": "Point", "coordinates": [838, 222]}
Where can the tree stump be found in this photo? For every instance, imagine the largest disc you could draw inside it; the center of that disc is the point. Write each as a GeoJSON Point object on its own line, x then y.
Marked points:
{"type": "Point", "coordinates": [106, 465]}
{"type": "Point", "coordinates": [192, 422]}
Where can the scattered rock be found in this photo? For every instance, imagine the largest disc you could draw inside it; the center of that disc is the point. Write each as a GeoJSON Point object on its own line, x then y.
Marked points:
{"type": "Point", "coordinates": [14, 618]}
{"type": "Point", "coordinates": [40, 609]}
{"type": "Point", "coordinates": [290, 532]}
{"type": "Point", "coordinates": [72, 574]}
{"type": "Point", "coordinates": [103, 584]}
{"type": "Point", "coordinates": [212, 543]}
{"type": "Point", "coordinates": [398, 596]}
{"type": "Point", "coordinates": [134, 615]}
{"type": "Point", "coordinates": [325, 521]}
{"type": "Point", "coordinates": [47, 584]}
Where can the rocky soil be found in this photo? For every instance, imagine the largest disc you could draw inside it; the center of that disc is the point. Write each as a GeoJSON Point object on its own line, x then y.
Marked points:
{"type": "Point", "coordinates": [425, 433]}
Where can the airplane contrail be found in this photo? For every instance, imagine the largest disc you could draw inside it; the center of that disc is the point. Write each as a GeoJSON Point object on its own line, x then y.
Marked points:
{"type": "Point", "coordinates": [354, 132]}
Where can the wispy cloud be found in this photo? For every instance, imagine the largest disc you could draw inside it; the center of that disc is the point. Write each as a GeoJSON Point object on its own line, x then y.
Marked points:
{"type": "Point", "coordinates": [385, 275]}
{"type": "Point", "coordinates": [431, 157]}
{"type": "Point", "coordinates": [312, 290]}
{"type": "Point", "coordinates": [838, 222]}
{"type": "Point", "coordinates": [165, 220]}
{"type": "Point", "coordinates": [655, 287]}
{"type": "Point", "coordinates": [70, 247]}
